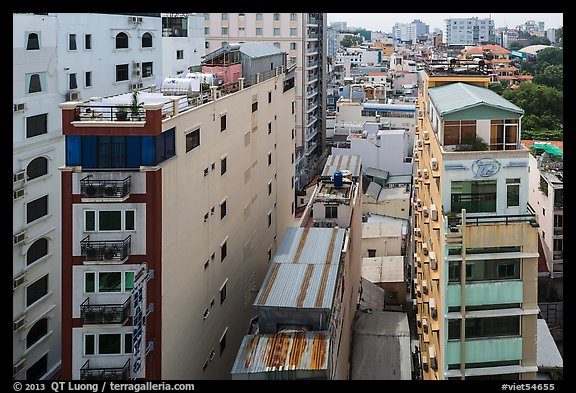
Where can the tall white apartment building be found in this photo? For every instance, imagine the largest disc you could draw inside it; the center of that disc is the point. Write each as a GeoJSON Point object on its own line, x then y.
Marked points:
{"type": "Point", "coordinates": [303, 37]}
{"type": "Point", "coordinates": [182, 42]}
{"type": "Point", "coordinates": [59, 57]}
{"type": "Point", "coordinates": [469, 31]}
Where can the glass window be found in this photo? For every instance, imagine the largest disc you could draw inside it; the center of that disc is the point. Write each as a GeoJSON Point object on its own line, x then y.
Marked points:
{"type": "Point", "coordinates": [277, 44]}
{"type": "Point", "coordinates": [371, 253]}
{"type": "Point", "coordinates": [89, 220]}
{"type": "Point", "coordinates": [89, 282]}
{"type": "Point", "coordinates": [33, 41]}
{"type": "Point", "coordinates": [206, 16]}
{"type": "Point", "coordinates": [36, 209]}
{"type": "Point", "coordinates": [293, 31]}
{"type": "Point", "coordinates": [88, 79]}
{"type": "Point", "coordinates": [206, 30]}
{"type": "Point", "coordinates": [87, 41]}
{"type": "Point", "coordinates": [485, 327]}
{"type": "Point", "coordinates": [109, 282]}
{"type": "Point", "coordinates": [269, 219]}
{"type": "Point", "coordinates": [276, 31]}
{"type": "Point", "coordinates": [35, 82]}
{"type": "Point", "coordinates": [147, 69]}
{"type": "Point", "coordinates": [192, 140]}
{"type": "Point", "coordinates": [146, 40]}
{"type": "Point", "coordinates": [121, 41]}
{"type": "Point", "coordinates": [222, 166]}
{"type": "Point", "coordinates": [222, 343]}
{"type": "Point", "coordinates": [37, 250]}
{"type": "Point", "coordinates": [127, 343]}
{"type": "Point", "coordinates": [36, 290]}
{"type": "Point", "coordinates": [254, 106]}
{"type": "Point", "coordinates": [36, 168]}
{"type": "Point", "coordinates": [485, 270]}
{"type": "Point", "coordinates": [292, 46]}
{"type": "Point", "coordinates": [269, 159]}
{"type": "Point", "coordinates": [121, 72]}
{"type": "Point", "coordinates": [224, 31]}
{"type": "Point", "coordinates": [223, 294]}
{"type": "Point", "coordinates": [222, 123]}
{"type": "Point", "coordinates": [276, 16]}
{"type": "Point", "coordinates": [270, 188]}
{"type": "Point", "coordinates": [179, 54]}
{"type": "Point", "coordinates": [223, 210]}
{"type": "Point", "coordinates": [109, 220]}
{"type": "Point", "coordinates": [129, 220]}
{"type": "Point", "coordinates": [331, 212]}
{"type": "Point", "coordinates": [258, 31]}
{"type": "Point", "coordinates": [73, 82]}
{"type": "Point", "coordinates": [503, 134]}
{"type": "Point", "coordinates": [72, 42]}
{"type": "Point", "coordinates": [89, 344]}
{"type": "Point", "coordinates": [474, 196]}
{"type": "Point", "coordinates": [293, 17]}
{"type": "Point", "coordinates": [109, 344]}
{"type": "Point", "coordinates": [38, 369]}
{"type": "Point", "coordinates": [512, 192]}
{"type": "Point", "coordinates": [223, 251]}
{"type": "Point", "coordinates": [224, 16]}
{"type": "Point", "coordinates": [36, 332]}
{"type": "Point", "coordinates": [128, 281]}
{"type": "Point", "coordinates": [258, 16]}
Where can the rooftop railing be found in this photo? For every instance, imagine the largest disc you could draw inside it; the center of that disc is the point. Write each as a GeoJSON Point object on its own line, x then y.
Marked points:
{"type": "Point", "coordinates": [91, 188]}
{"type": "Point", "coordinates": [112, 373]}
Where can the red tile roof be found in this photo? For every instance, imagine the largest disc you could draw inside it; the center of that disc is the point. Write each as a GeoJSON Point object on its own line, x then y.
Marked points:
{"type": "Point", "coordinates": [376, 74]}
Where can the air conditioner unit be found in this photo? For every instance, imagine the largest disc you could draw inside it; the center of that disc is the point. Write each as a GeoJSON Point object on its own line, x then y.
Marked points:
{"type": "Point", "coordinates": [418, 173]}
{"type": "Point", "coordinates": [416, 155]}
{"type": "Point", "coordinates": [316, 224]}
{"type": "Point", "coordinates": [433, 262]}
{"type": "Point", "coordinates": [19, 193]}
{"type": "Point", "coordinates": [425, 325]}
{"type": "Point", "coordinates": [434, 212]}
{"type": "Point", "coordinates": [418, 262]}
{"type": "Point", "coordinates": [434, 163]}
{"type": "Point", "coordinates": [135, 65]}
{"type": "Point", "coordinates": [19, 107]}
{"type": "Point", "coordinates": [19, 176]}
{"type": "Point", "coordinates": [424, 363]}
{"type": "Point", "coordinates": [420, 143]}
{"type": "Point", "coordinates": [135, 86]}
{"type": "Point", "coordinates": [418, 322]}
{"type": "Point", "coordinates": [418, 293]}
{"type": "Point", "coordinates": [18, 323]}
{"type": "Point", "coordinates": [21, 365]}
{"type": "Point", "coordinates": [425, 172]}
{"type": "Point", "coordinates": [328, 225]}
{"type": "Point", "coordinates": [18, 281]}
{"type": "Point", "coordinates": [419, 202]}
{"type": "Point", "coordinates": [73, 96]}
{"type": "Point", "coordinates": [19, 238]}
{"type": "Point", "coordinates": [425, 211]}
{"type": "Point", "coordinates": [139, 19]}
{"type": "Point", "coordinates": [426, 137]}
{"type": "Point", "coordinates": [424, 287]}
{"type": "Point", "coordinates": [433, 310]}
{"type": "Point", "coordinates": [425, 248]}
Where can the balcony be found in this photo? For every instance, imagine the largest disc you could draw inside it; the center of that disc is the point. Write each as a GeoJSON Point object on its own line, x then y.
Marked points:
{"type": "Point", "coordinates": [96, 112]}
{"type": "Point", "coordinates": [116, 189]}
{"type": "Point", "coordinates": [485, 350]}
{"type": "Point", "coordinates": [105, 250]}
{"type": "Point", "coordinates": [119, 373]}
{"type": "Point", "coordinates": [97, 314]}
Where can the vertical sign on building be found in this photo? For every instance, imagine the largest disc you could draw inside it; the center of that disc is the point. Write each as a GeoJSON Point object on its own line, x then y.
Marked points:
{"type": "Point", "coordinates": [138, 303]}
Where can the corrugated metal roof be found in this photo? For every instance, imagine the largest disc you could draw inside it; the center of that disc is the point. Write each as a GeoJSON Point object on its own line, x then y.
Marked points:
{"type": "Point", "coordinates": [547, 353]}
{"type": "Point", "coordinates": [455, 97]}
{"type": "Point", "coordinates": [304, 271]}
{"type": "Point", "coordinates": [335, 163]}
{"type": "Point", "coordinates": [375, 172]}
{"type": "Point", "coordinates": [389, 107]}
{"type": "Point", "coordinates": [283, 352]}
{"type": "Point", "coordinates": [259, 49]}
{"type": "Point", "coordinates": [381, 349]}
{"type": "Point", "coordinates": [373, 190]}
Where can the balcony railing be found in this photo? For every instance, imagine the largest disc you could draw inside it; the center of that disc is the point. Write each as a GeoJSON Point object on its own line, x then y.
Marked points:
{"type": "Point", "coordinates": [90, 188]}
{"type": "Point", "coordinates": [494, 219]}
{"type": "Point", "coordinates": [108, 113]}
{"type": "Point", "coordinates": [119, 373]}
{"type": "Point", "coordinates": [104, 313]}
{"type": "Point", "coordinates": [105, 250]}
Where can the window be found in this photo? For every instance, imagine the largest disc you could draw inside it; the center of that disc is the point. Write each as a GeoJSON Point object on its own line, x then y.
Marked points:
{"type": "Point", "coordinates": [147, 70]}
{"type": "Point", "coordinates": [223, 166]}
{"type": "Point", "coordinates": [485, 327]}
{"type": "Point", "coordinates": [371, 253]}
{"type": "Point", "coordinates": [36, 168]}
{"type": "Point", "coordinates": [36, 209]}
{"type": "Point", "coordinates": [293, 31]}
{"type": "Point", "coordinates": [269, 127]}
{"type": "Point", "coordinates": [503, 134]}
{"type": "Point", "coordinates": [269, 159]}
{"type": "Point", "coordinates": [269, 254]}
{"type": "Point", "coordinates": [258, 30]}
{"type": "Point", "coordinates": [224, 16]}
{"type": "Point", "coordinates": [223, 251]}
{"type": "Point", "coordinates": [292, 182]}
{"type": "Point", "coordinates": [36, 332]}
{"type": "Point", "coordinates": [73, 83]}
{"type": "Point", "coordinates": [485, 270]}
{"type": "Point", "coordinates": [206, 16]}
{"type": "Point", "coordinates": [258, 16]}
{"type": "Point", "coordinates": [254, 106]}
{"type": "Point", "coordinates": [331, 212]}
{"type": "Point", "coordinates": [222, 210]}
{"type": "Point", "coordinates": [293, 17]}
{"type": "Point", "coordinates": [87, 41]}
{"type": "Point", "coordinates": [223, 293]}
{"type": "Point", "coordinates": [206, 45]}
{"type": "Point", "coordinates": [292, 46]}
{"type": "Point", "coordinates": [109, 344]}
{"type": "Point", "coordinates": [222, 123]}
{"type": "Point", "coordinates": [179, 54]}
{"type": "Point", "coordinates": [121, 41]}
{"type": "Point", "coordinates": [459, 132]}
{"type": "Point", "coordinates": [37, 250]}
{"type": "Point", "coordinates": [121, 72]}
{"type": "Point", "coordinates": [269, 188]}
{"type": "Point", "coordinates": [206, 30]}
{"type": "Point", "coordinates": [277, 44]}
{"type": "Point", "coordinates": [33, 41]}
{"type": "Point", "coordinates": [88, 79]}
{"type": "Point", "coordinates": [38, 369]}
{"type": "Point", "coordinates": [72, 42]}
{"type": "Point", "coordinates": [292, 158]}
{"type": "Point", "coordinates": [293, 59]}
{"type": "Point", "coordinates": [109, 281]}
{"type": "Point", "coordinates": [512, 192]}
{"type": "Point", "coordinates": [109, 220]}
{"type": "Point", "coordinates": [35, 82]}
{"type": "Point", "coordinates": [146, 40]}
{"type": "Point", "coordinates": [128, 281]}
{"type": "Point", "coordinates": [36, 290]}
{"type": "Point", "coordinates": [276, 16]}
{"type": "Point", "coordinates": [223, 342]}
{"type": "Point", "coordinates": [192, 140]}
{"type": "Point", "coordinates": [224, 31]}
{"type": "Point", "coordinates": [276, 31]}
{"type": "Point", "coordinates": [128, 343]}
{"type": "Point", "coordinates": [558, 221]}
{"type": "Point", "coordinates": [474, 196]}
{"type": "Point", "coordinates": [543, 211]}
{"type": "Point", "coordinates": [269, 219]}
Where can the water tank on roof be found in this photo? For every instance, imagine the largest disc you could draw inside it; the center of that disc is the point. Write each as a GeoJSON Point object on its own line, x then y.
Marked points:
{"type": "Point", "coordinates": [338, 179]}
{"type": "Point", "coordinates": [180, 86]}
{"type": "Point", "coordinates": [211, 79]}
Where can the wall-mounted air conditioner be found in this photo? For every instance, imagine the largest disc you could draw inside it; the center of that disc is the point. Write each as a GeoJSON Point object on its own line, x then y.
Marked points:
{"type": "Point", "coordinates": [73, 96]}
{"type": "Point", "coordinates": [433, 262]}
{"type": "Point", "coordinates": [425, 287]}
{"type": "Point", "coordinates": [434, 212]}
{"type": "Point", "coordinates": [21, 365]}
{"type": "Point", "coordinates": [425, 173]}
{"type": "Point", "coordinates": [19, 193]}
{"type": "Point", "coordinates": [425, 211]}
{"type": "Point", "coordinates": [425, 248]}
{"type": "Point", "coordinates": [19, 323]}
{"type": "Point", "coordinates": [433, 310]}
{"type": "Point", "coordinates": [19, 107]}
{"type": "Point", "coordinates": [434, 163]}
{"type": "Point", "coordinates": [19, 176]}
{"type": "Point", "coordinates": [426, 136]}
{"type": "Point", "coordinates": [18, 281]}
{"type": "Point", "coordinates": [19, 237]}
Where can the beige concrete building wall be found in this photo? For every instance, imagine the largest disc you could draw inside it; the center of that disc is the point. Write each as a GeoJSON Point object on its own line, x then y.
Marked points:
{"type": "Point", "coordinates": [193, 275]}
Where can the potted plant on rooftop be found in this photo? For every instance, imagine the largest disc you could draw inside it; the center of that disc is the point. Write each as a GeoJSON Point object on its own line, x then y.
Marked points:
{"type": "Point", "coordinates": [122, 112]}
{"type": "Point", "coordinates": [135, 106]}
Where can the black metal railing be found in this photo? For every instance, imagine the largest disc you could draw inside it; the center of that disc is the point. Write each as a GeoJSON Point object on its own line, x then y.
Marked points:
{"type": "Point", "coordinates": [118, 373]}
{"type": "Point", "coordinates": [91, 188]}
{"type": "Point", "coordinates": [105, 250]}
{"type": "Point", "coordinates": [108, 113]}
{"type": "Point", "coordinates": [493, 219]}
{"type": "Point", "coordinates": [104, 313]}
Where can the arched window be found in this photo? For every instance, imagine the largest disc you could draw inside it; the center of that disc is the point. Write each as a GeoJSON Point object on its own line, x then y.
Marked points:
{"type": "Point", "coordinates": [37, 250]}
{"type": "Point", "coordinates": [147, 40]}
{"type": "Point", "coordinates": [39, 330]}
{"type": "Point", "coordinates": [121, 41]}
{"type": "Point", "coordinates": [33, 42]}
{"type": "Point", "coordinates": [37, 167]}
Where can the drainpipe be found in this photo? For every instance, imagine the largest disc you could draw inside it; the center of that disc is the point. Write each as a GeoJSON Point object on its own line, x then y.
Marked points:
{"type": "Point", "coordinates": [463, 298]}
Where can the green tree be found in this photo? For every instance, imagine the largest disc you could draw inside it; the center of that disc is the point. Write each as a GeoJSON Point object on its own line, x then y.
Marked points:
{"type": "Point", "coordinates": [552, 76]}
{"type": "Point", "coordinates": [350, 40]}
{"type": "Point", "coordinates": [515, 45]}
{"type": "Point", "coordinates": [541, 101]}
{"type": "Point", "coordinates": [498, 87]}
{"type": "Point", "coordinates": [550, 56]}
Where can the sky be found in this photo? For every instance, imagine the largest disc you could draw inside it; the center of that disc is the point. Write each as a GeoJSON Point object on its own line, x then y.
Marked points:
{"type": "Point", "coordinates": [384, 21]}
